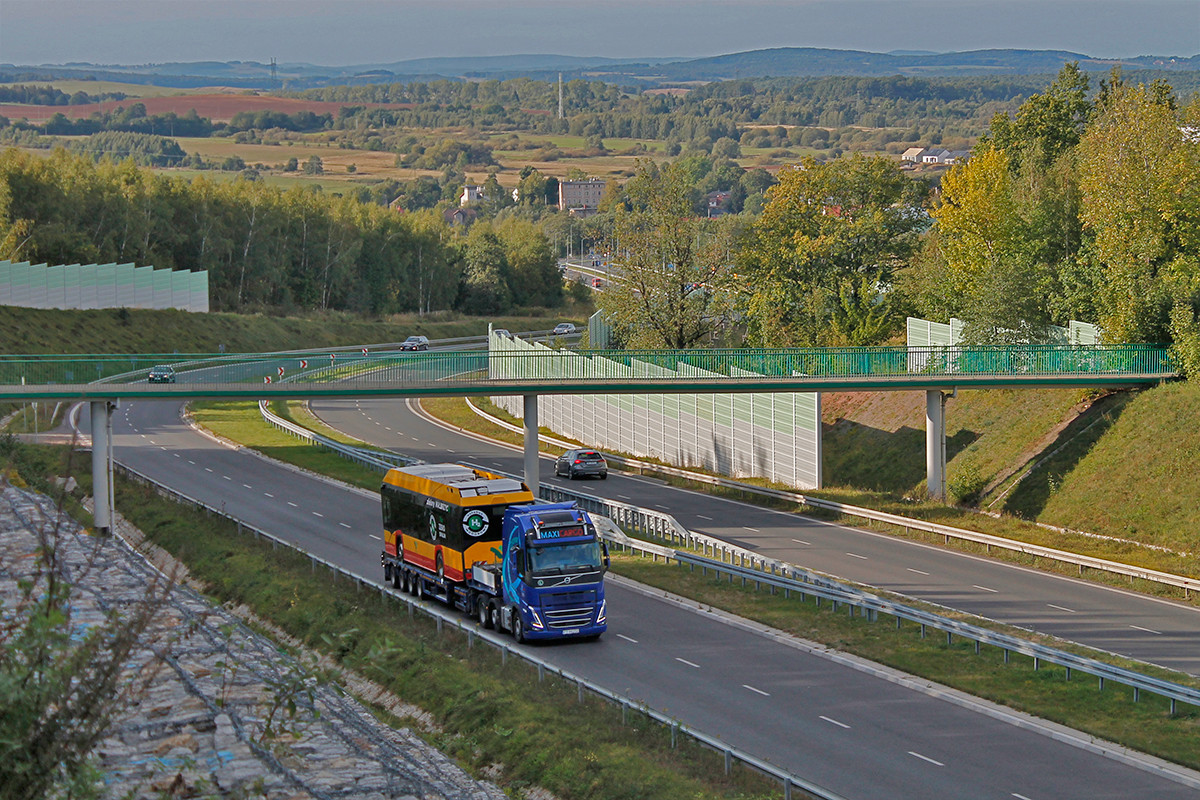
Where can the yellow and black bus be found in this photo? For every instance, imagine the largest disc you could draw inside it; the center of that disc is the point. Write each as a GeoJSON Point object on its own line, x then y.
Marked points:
{"type": "Point", "coordinates": [445, 518]}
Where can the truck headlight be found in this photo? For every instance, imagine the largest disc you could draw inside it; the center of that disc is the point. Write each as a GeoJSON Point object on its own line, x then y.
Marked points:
{"type": "Point", "coordinates": [600, 613]}
{"type": "Point", "coordinates": [537, 621]}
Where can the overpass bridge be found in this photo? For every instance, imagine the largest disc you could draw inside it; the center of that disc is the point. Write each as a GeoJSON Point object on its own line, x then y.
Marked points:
{"type": "Point", "coordinates": [104, 380]}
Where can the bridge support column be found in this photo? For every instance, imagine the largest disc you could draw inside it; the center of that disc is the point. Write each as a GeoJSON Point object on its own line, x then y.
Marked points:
{"type": "Point", "coordinates": [935, 443]}
{"type": "Point", "coordinates": [102, 484]}
{"type": "Point", "coordinates": [531, 444]}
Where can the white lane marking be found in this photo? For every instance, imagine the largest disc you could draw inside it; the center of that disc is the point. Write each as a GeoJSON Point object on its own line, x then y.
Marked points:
{"type": "Point", "coordinates": [624, 497]}
{"type": "Point", "coordinates": [1062, 608]}
{"type": "Point", "coordinates": [248, 486]}
{"type": "Point", "coordinates": [377, 423]}
{"type": "Point", "coordinates": [835, 722]}
{"type": "Point", "coordinates": [801, 541]}
{"type": "Point", "coordinates": [856, 555]}
{"type": "Point", "coordinates": [206, 469]}
{"type": "Point", "coordinates": [925, 758]}
{"type": "Point", "coordinates": [268, 494]}
{"type": "Point", "coordinates": [760, 691]}
{"type": "Point", "coordinates": [160, 447]}
{"type": "Point", "coordinates": [317, 514]}
{"type": "Point", "coordinates": [142, 435]}
{"type": "Point", "coordinates": [665, 508]}
{"type": "Point", "coordinates": [431, 444]}
{"type": "Point", "coordinates": [373, 536]}
{"type": "Point", "coordinates": [193, 463]}
{"type": "Point", "coordinates": [984, 588]}
{"type": "Point", "coordinates": [387, 427]}
{"type": "Point", "coordinates": [685, 661]}
{"type": "Point", "coordinates": [701, 516]}
{"type": "Point", "coordinates": [451, 451]}
{"type": "Point", "coordinates": [919, 572]}
{"type": "Point", "coordinates": [177, 455]}
{"type": "Point", "coordinates": [293, 505]}
{"type": "Point", "coordinates": [226, 477]}
{"type": "Point", "coordinates": [626, 638]}
{"type": "Point", "coordinates": [748, 528]}
{"type": "Point", "coordinates": [1020, 796]}
{"type": "Point", "coordinates": [344, 525]}
{"type": "Point", "coordinates": [1147, 630]}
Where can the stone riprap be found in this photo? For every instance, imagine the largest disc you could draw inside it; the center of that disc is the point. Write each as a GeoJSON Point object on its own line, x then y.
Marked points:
{"type": "Point", "coordinates": [200, 727]}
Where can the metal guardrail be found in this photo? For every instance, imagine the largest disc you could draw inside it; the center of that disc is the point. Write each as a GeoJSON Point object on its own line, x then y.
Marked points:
{"type": "Point", "coordinates": [472, 631]}
{"type": "Point", "coordinates": [363, 456]}
{"type": "Point", "coordinates": [989, 541]}
{"type": "Point", "coordinates": [733, 560]}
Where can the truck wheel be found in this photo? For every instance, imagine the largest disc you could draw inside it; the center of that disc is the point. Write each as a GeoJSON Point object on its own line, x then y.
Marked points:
{"type": "Point", "coordinates": [397, 578]}
{"type": "Point", "coordinates": [485, 614]}
{"type": "Point", "coordinates": [518, 627]}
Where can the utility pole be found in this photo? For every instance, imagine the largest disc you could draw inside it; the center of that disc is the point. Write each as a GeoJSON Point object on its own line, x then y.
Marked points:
{"type": "Point", "coordinates": [274, 80]}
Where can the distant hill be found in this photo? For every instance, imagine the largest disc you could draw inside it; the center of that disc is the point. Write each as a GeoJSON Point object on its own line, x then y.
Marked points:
{"type": "Point", "coordinates": [777, 62]}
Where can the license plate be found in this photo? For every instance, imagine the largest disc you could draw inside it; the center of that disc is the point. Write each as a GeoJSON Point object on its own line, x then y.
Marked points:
{"type": "Point", "coordinates": [569, 631]}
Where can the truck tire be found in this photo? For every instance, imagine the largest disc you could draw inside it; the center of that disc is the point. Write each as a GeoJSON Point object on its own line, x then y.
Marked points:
{"type": "Point", "coordinates": [518, 627]}
{"type": "Point", "coordinates": [418, 587]}
{"type": "Point", "coordinates": [397, 578]}
{"type": "Point", "coordinates": [484, 610]}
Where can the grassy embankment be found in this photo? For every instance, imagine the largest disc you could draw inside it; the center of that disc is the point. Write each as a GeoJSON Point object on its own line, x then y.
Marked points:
{"type": "Point", "coordinates": [1111, 715]}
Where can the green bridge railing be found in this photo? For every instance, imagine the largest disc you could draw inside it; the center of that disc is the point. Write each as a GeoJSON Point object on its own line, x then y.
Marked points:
{"type": "Point", "coordinates": [445, 371]}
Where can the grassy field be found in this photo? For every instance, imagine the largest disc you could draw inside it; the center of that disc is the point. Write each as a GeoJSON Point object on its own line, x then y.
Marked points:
{"type": "Point", "coordinates": [1046, 693]}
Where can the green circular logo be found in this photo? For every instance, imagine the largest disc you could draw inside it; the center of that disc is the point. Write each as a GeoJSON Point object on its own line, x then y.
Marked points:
{"type": "Point", "coordinates": [475, 523]}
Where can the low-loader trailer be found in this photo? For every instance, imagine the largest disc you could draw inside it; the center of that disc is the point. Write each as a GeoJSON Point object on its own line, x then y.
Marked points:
{"type": "Point", "coordinates": [478, 541]}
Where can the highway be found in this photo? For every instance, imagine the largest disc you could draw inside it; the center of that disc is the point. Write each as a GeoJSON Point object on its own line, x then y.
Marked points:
{"type": "Point", "coordinates": [1149, 629]}
{"type": "Point", "coordinates": [859, 734]}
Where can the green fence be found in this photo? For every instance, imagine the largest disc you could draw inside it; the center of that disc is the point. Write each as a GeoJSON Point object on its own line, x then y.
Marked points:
{"type": "Point", "coordinates": [467, 371]}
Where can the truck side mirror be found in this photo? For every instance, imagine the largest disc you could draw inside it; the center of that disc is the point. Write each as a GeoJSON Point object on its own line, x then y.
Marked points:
{"type": "Point", "coordinates": [604, 549]}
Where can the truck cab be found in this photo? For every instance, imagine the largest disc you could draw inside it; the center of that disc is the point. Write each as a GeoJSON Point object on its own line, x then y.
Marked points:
{"type": "Point", "coordinates": [549, 582]}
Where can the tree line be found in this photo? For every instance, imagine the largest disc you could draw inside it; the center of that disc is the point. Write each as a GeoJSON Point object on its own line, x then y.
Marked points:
{"type": "Point", "coordinates": [263, 247]}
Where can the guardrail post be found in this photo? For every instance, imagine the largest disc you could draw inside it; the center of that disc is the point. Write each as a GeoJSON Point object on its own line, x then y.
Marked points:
{"type": "Point", "coordinates": [541, 672]}
{"type": "Point", "coordinates": [675, 733]}
{"type": "Point", "coordinates": [1137, 694]}
{"type": "Point", "coordinates": [787, 789]}
{"type": "Point", "coordinates": [728, 762]}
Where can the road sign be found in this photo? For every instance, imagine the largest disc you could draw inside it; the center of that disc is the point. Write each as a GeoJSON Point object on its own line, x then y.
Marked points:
{"type": "Point", "coordinates": [303, 363]}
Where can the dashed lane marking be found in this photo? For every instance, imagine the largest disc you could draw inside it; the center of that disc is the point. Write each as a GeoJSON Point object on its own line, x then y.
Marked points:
{"type": "Point", "coordinates": [759, 691]}
{"type": "Point", "coordinates": [685, 661]}
{"type": "Point", "coordinates": [856, 555]}
{"type": "Point", "coordinates": [627, 638]}
{"type": "Point", "coordinates": [1062, 608]}
{"type": "Point", "coordinates": [835, 722]}
{"type": "Point", "coordinates": [344, 525]}
{"type": "Point", "coordinates": [984, 588]}
{"type": "Point", "coordinates": [926, 758]}
{"type": "Point", "coordinates": [1147, 630]}
{"type": "Point", "coordinates": [919, 572]}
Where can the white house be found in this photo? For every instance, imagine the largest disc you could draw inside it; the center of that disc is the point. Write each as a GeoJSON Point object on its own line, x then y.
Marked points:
{"type": "Point", "coordinates": [913, 154]}
{"type": "Point", "coordinates": [470, 194]}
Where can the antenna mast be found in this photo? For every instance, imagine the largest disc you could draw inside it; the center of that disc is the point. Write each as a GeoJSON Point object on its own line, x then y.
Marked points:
{"type": "Point", "coordinates": [274, 80]}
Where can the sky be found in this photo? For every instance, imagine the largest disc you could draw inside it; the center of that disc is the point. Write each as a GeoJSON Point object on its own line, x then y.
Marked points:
{"type": "Point", "coordinates": [343, 32]}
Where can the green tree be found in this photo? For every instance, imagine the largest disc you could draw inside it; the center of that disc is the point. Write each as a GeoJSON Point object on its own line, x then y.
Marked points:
{"type": "Point", "coordinates": [485, 288]}
{"type": "Point", "coordinates": [673, 288]}
{"type": "Point", "coordinates": [1141, 212]}
{"type": "Point", "coordinates": [533, 269]}
{"type": "Point", "coordinates": [990, 273]}
{"type": "Point", "coordinates": [314, 166]}
{"type": "Point", "coordinates": [824, 228]}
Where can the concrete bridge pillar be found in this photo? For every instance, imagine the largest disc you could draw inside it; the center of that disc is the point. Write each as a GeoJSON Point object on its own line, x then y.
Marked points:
{"type": "Point", "coordinates": [102, 484]}
{"type": "Point", "coordinates": [935, 443]}
{"type": "Point", "coordinates": [531, 444]}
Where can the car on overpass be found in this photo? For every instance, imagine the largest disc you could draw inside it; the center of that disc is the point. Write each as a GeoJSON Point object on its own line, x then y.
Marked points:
{"type": "Point", "coordinates": [161, 374]}
{"type": "Point", "coordinates": [563, 328]}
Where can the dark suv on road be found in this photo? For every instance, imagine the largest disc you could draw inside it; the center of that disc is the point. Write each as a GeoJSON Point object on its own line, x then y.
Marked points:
{"type": "Point", "coordinates": [578, 463]}
{"type": "Point", "coordinates": [161, 374]}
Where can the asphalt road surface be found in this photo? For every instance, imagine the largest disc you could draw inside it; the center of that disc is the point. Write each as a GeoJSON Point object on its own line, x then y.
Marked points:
{"type": "Point", "coordinates": [839, 726]}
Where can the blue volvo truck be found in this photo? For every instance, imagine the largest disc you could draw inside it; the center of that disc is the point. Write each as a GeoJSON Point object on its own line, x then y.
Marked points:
{"type": "Point", "coordinates": [477, 541]}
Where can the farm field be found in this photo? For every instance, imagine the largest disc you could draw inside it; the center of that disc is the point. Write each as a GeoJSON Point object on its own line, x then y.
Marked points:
{"type": "Point", "coordinates": [134, 90]}
{"type": "Point", "coordinates": [218, 107]}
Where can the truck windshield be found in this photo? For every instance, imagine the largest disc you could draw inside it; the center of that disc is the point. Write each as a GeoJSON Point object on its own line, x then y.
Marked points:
{"type": "Point", "coordinates": [564, 559]}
